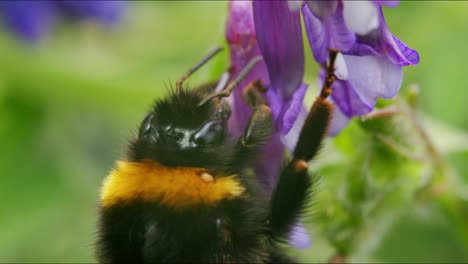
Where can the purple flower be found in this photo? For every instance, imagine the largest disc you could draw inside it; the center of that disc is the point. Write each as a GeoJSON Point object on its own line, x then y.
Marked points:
{"type": "Point", "coordinates": [241, 36]}
{"type": "Point", "coordinates": [387, 3]}
{"type": "Point", "coordinates": [387, 45]}
{"type": "Point", "coordinates": [279, 36]}
{"type": "Point", "coordinates": [326, 28]}
{"type": "Point", "coordinates": [369, 66]}
{"type": "Point", "coordinates": [105, 12]}
{"type": "Point", "coordinates": [369, 78]}
{"type": "Point", "coordinates": [32, 20]}
{"type": "Point", "coordinates": [281, 71]}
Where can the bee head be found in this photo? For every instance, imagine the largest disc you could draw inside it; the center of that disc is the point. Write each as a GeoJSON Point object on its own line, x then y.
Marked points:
{"type": "Point", "coordinates": [179, 129]}
{"type": "Point", "coordinates": [179, 123]}
{"type": "Point", "coordinates": [189, 127]}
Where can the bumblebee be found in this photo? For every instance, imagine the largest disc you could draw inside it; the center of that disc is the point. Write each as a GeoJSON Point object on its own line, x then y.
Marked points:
{"type": "Point", "coordinates": [182, 194]}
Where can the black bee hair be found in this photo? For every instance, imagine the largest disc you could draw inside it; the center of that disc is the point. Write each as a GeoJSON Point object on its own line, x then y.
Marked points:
{"type": "Point", "coordinates": [177, 111]}
{"type": "Point", "coordinates": [183, 194]}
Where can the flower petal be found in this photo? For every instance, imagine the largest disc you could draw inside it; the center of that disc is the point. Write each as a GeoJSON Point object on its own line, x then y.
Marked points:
{"type": "Point", "coordinates": [341, 38]}
{"type": "Point", "coordinates": [341, 70]}
{"type": "Point", "coordinates": [395, 50]}
{"type": "Point", "coordinates": [338, 122]}
{"type": "Point", "coordinates": [293, 108]}
{"type": "Point", "coordinates": [373, 77]}
{"type": "Point", "coordinates": [386, 44]}
{"type": "Point", "coordinates": [279, 37]}
{"type": "Point", "coordinates": [317, 34]}
{"type": "Point", "coordinates": [107, 12]}
{"type": "Point", "coordinates": [387, 3]}
{"type": "Point", "coordinates": [240, 28]}
{"type": "Point", "coordinates": [30, 20]}
{"type": "Point", "coordinates": [349, 102]}
{"type": "Point", "coordinates": [369, 78]}
{"type": "Point", "coordinates": [299, 237]}
{"type": "Point", "coordinates": [286, 112]}
{"type": "Point", "coordinates": [402, 54]}
{"type": "Point", "coordinates": [291, 138]}
{"type": "Point", "coordinates": [275, 102]}
{"type": "Point", "coordinates": [361, 16]}
{"type": "Point", "coordinates": [326, 28]}
{"type": "Point", "coordinates": [294, 5]}
{"type": "Point", "coordinates": [322, 9]}
{"type": "Point", "coordinates": [361, 49]}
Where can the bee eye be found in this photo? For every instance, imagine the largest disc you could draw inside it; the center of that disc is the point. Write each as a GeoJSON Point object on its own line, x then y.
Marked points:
{"type": "Point", "coordinates": [175, 135]}
{"type": "Point", "coordinates": [211, 133]}
{"type": "Point", "coordinates": [145, 126]}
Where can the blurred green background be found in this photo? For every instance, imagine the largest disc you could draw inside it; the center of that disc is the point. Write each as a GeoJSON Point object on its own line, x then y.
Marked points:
{"type": "Point", "coordinates": [69, 106]}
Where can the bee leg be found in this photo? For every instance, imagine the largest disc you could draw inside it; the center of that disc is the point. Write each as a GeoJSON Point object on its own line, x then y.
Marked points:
{"type": "Point", "coordinates": [253, 94]}
{"type": "Point", "coordinates": [260, 126]}
{"type": "Point", "coordinates": [293, 188]}
{"type": "Point", "coordinates": [314, 130]}
{"type": "Point", "coordinates": [294, 185]}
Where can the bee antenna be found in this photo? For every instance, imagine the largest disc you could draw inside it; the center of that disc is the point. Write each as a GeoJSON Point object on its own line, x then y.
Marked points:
{"type": "Point", "coordinates": [223, 81]}
{"type": "Point", "coordinates": [228, 90]}
{"type": "Point", "coordinates": [195, 68]}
